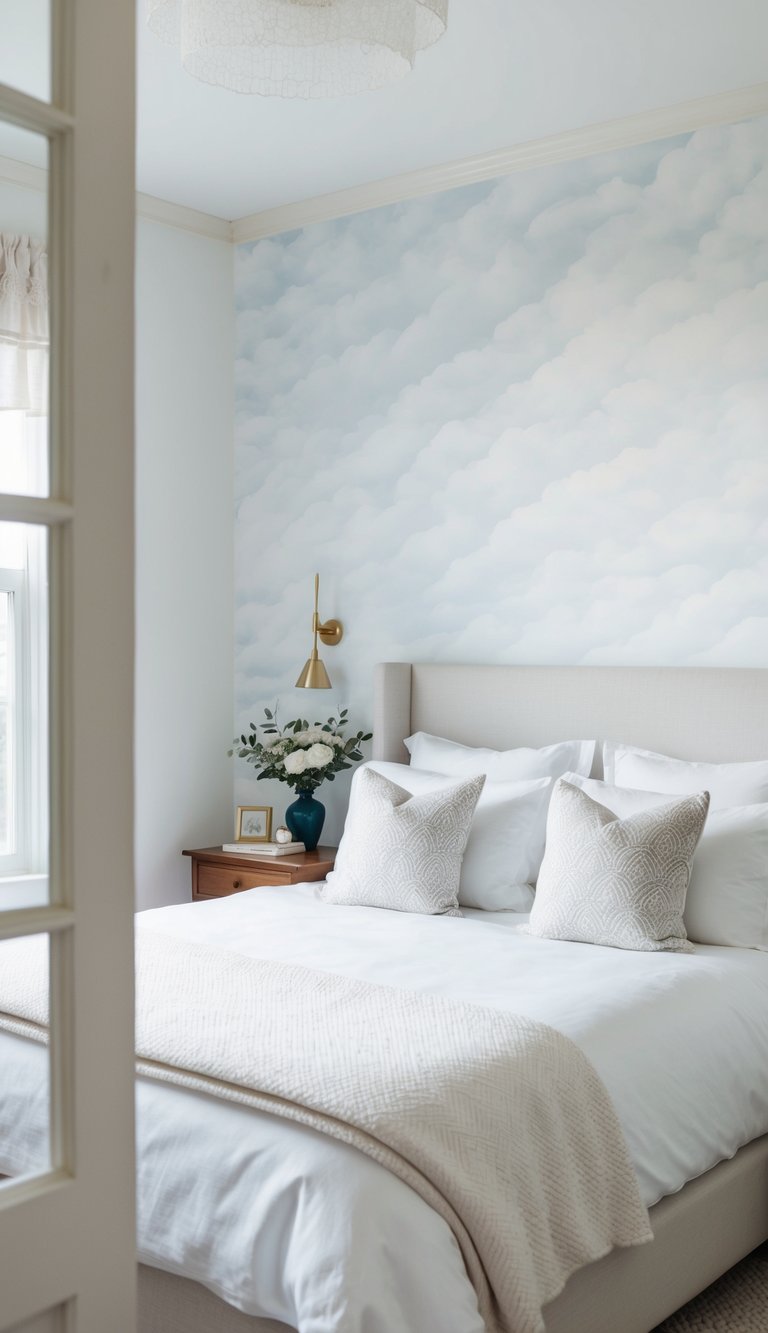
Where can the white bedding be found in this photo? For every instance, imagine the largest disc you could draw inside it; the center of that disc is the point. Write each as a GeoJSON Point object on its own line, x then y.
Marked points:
{"type": "Point", "coordinates": [286, 1223]}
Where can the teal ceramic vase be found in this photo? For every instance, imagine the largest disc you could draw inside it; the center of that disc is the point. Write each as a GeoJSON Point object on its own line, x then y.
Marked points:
{"type": "Point", "coordinates": [305, 818]}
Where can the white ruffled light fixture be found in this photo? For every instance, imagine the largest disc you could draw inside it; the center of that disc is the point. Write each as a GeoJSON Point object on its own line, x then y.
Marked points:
{"type": "Point", "coordinates": [298, 48]}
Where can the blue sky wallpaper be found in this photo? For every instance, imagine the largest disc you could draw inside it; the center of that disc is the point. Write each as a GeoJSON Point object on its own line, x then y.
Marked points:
{"type": "Point", "coordinates": [521, 421]}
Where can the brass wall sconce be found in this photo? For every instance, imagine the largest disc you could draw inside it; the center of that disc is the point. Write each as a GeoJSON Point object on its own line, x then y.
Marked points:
{"type": "Point", "coordinates": [314, 676]}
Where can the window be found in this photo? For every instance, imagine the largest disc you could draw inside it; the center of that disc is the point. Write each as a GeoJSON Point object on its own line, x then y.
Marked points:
{"type": "Point", "coordinates": [23, 656]}
{"type": "Point", "coordinates": [10, 599]}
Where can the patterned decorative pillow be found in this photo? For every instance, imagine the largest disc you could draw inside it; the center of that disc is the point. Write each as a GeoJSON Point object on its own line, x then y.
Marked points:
{"type": "Point", "coordinates": [402, 851]}
{"type": "Point", "coordinates": [620, 882]}
{"type": "Point", "coordinates": [505, 848]}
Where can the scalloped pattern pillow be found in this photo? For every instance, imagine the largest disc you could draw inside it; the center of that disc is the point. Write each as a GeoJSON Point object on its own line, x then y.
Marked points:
{"type": "Point", "coordinates": [617, 882]}
{"type": "Point", "coordinates": [506, 841]}
{"type": "Point", "coordinates": [401, 851]}
{"type": "Point", "coordinates": [727, 900]}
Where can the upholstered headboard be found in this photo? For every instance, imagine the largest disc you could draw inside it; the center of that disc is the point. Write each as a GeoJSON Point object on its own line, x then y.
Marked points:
{"type": "Point", "coordinates": [688, 712]}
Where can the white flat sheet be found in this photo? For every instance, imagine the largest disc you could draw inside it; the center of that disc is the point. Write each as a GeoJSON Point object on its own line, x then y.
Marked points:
{"type": "Point", "coordinates": [284, 1222]}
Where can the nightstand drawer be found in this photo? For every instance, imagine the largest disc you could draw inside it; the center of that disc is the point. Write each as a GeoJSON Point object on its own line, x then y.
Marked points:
{"type": "Point", "coordinates": [216, 873]}
{"type": "Point", "coordinates": [216, 881]}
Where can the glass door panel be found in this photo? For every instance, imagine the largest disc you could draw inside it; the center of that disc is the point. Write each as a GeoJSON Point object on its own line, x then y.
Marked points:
{"type": "Point", "coordinates": [24, 314]}
{"type": "Point", "coordinates": [24, 762]}
{"type": "Point", "coordinates": [25, 1063]}
{"type": "Point", "coordinates": [25, 48]}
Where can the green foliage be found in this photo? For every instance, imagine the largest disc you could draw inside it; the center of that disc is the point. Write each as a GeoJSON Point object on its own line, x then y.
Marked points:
{"type": "Point", "coordinates": [321, 749]}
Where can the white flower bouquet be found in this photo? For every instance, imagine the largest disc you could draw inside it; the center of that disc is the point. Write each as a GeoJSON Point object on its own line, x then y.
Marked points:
{"type": "Point", "coordinates": [298, 754]}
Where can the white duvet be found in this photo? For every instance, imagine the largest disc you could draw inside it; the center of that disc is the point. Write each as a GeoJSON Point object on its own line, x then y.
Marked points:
{"type": "Point", "coordinates": [284, 1222]}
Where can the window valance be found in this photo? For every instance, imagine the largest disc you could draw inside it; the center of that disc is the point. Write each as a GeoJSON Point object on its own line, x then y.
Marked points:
{"type": "Point", "coordinates": [23, 324]}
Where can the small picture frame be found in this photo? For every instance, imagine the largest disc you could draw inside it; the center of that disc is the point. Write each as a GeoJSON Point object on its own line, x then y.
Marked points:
{"type": "Point", "coordinates": [253, 823]}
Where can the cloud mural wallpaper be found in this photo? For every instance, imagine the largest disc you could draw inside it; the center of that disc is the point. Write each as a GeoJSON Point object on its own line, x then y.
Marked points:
{"type": "Point", "coordinates": [521, 421]}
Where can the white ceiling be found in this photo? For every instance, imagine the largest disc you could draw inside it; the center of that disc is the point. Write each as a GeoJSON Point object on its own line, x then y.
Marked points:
{"type": "Point", "coordinates": [507, 71]}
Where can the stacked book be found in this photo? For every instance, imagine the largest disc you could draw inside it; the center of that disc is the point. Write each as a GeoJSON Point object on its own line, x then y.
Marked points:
{"type": "Point", "coordinates": [263, 848]}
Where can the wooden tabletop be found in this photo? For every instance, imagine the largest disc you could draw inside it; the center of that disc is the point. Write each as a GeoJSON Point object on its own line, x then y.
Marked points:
{"type": "Point", "coordinates": [297, 860]}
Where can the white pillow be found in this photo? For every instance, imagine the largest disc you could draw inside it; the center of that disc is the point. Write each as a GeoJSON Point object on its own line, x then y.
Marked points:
{"type": "Point", "coordinates": [621, 801]}
{"type": "Point", "coordinates": [727, 900]}
{"type": "Point", "coordinates": [506, 840]}
{"type": "Point", "coordinates": [401, 851]}
{"type": "Point", "coordinates": [437, 755]}
{"type": "Point", "coordinates": [727, 784]}
{"type": "Point", "coordinates": [616, 882]}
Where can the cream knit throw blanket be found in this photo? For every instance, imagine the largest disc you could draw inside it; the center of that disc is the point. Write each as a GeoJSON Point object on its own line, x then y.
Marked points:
{"type": "Point", "coordinates": [498, 1122]}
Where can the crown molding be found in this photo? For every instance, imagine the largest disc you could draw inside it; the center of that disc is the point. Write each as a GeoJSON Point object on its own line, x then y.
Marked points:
{"type": "Point", "coordinates": [184, 219]}
{"type": "Point", "coordinates": [22, 173]}
{"type": "Point", "coordinates": [29, 177]}
{"type": "Point", "coordinates": [684, 117]}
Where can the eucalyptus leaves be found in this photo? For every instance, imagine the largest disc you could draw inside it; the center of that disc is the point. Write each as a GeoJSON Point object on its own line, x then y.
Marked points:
{"type": "Point", "coordinates": [298, 754]}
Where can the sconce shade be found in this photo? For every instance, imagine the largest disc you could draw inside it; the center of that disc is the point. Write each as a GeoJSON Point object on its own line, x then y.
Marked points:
{"type": "Point", "coordinates": [314, 675]}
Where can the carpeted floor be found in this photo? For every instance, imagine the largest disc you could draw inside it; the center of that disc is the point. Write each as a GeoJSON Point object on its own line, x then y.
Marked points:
{"type": "Point", "coordinates": [737, 1303]}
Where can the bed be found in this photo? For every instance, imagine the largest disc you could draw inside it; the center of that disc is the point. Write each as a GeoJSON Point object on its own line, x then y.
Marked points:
{"type": "Point", "coordinates": [708, 1195]}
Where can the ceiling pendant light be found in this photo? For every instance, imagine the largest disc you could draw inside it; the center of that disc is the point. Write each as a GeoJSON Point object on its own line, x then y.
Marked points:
{"type": "Point", "coordinates": [298, 48]}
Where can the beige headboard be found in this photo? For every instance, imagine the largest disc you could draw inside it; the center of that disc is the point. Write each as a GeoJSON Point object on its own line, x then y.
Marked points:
{"type": "Point", "coordinates": [689, 712]}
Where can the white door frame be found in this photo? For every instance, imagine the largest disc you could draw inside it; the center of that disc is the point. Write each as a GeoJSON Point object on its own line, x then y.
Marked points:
{"type": "Point", "coordinates": [67, 1238]}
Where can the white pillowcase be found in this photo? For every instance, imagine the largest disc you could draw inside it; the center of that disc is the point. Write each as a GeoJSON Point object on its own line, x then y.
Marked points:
{"type": "Point", "coordinates": [506, 841]}
{"type": "Point", "coordinates": [727, 900]}
{"type": "Point", "coordinates": [434, 754]}
{"type": "Point", "coordinates": [401, 851]}
{"type": "Point", "coordinates": [727, 784]}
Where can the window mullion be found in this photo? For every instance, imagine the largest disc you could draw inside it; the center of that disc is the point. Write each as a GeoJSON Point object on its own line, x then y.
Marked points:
{"type": "Point", "coordinates": [30, 113]}
{"type": "Point", "coordinates": [35, 921]}
{"type": "Point", "coordinates": [34, 509]}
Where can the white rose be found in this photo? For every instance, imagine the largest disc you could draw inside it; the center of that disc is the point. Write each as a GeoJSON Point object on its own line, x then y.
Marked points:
{"type": "Point", "coordinates": [276, 745]}
{"type": "Point", "coordinates": [296, 761]}
{"type": "Point", "coordinates": [317, 756]}
{"type": "Point", "coordinates": [316, 734]}
{"type": "Point", "coordinates": [301, 738]}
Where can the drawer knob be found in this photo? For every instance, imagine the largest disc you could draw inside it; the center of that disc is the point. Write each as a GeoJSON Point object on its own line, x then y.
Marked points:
{"type": "Point", "coordinates": [235, 883]}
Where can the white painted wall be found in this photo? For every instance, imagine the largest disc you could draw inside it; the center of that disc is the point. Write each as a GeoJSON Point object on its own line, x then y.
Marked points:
{"type": "Point", "coordinates": [184, 531]}
{"type": "Point", "coordinates": [22, 210]}
{"type": "Point", "coordinates": [184, 534]}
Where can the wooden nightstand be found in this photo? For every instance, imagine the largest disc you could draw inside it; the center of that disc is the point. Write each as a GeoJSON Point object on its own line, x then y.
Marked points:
{"type": "Point", "coordinates": [216, 873]}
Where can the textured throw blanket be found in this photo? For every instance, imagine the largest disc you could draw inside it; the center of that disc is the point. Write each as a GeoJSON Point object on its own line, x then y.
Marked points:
{"type": "Point", "coordinates": [498, 1122]}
